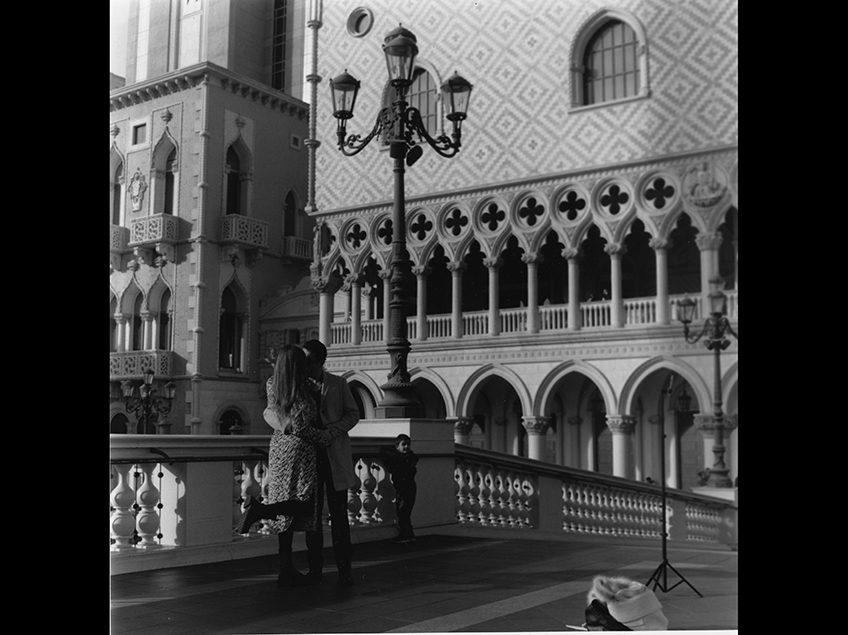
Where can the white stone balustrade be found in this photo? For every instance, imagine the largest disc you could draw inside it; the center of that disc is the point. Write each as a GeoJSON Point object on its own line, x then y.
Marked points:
{"type": "Point", "coordinates": [514, 320]}
{"type": "Point", "coordinates": [339, 333]}
{"type": "Point", "coordinates": [295, 247]}
{"type": "Point", "coordinates": [372, 331]}
{"type": "Point", "coordinates": [489, 496]}
{"type": "Point", "coordinates": [640, 311]}
{"type": "Point", "coordinates": [133, 364]}
{"type": "Point", "coordinates": [412, 328]}
{"type": "Point", "coordinates": [244, 230]}
{"type": "Point", "coordinates": [156, 228]}
{"type": "Point", "coordinates": [553, 317]}
{"type": "Point", "coordinates": [595, 314]}
{"type": "Point", "coordinates": [438, 326]}
{"type": "Point", "coordinates": [475, 323]}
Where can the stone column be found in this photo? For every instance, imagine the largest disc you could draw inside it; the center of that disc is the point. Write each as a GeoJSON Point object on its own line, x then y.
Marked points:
{"type": "Point", "coordinates": [462, 429]}
{"type": "Point", "coordinates": [366, 299]}
{"type": "Point", "coordinates": [708, 244]}
{"type": "Point", "coordinates": [385, 275]}
{"type": "Point", "coordinates": [536, 428]}
{"type": "Point", "coordinates": [346, 284]}
{"type": "Point", "coordinates": [146, 330]}
{"type": "Point", "coordinates": [660, 245]}
{"type": "Point", "coordinates": [573, 288]}
{"type": "Point", "coordinates": [456, 297]}
{"type": "Point", "coordinates": [573, 459]}
{"type": "Point", "coordinates": [421, 300]}
{"type": "Point", "coordinates": [622, 441]}
{"type": "Point", "coordinates": [493, 264]}
{"type": "Point", "coordinates": [120, 330]}
{"type": "Point", "coordinates": [355, 308]}
{"type": "Point", "coordinates": [616, 302]}
{"type": "Point", "coordinates": [325, 308]}
{"type": "Point", "coordinates": [530, 260]}
{"type": "Point", "coordinates": [652, 467]}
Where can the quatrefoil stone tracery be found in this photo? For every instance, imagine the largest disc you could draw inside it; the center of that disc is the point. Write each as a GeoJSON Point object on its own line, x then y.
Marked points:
{"type": "Point", "coordinates": [659, 192]}
{"type": "Point", "coordinates": [384, 233]}
{"type": "Point", "coordinates": [456, 221]}
{"type": "Point", "coordinates": [420, 226]}
{"type": "Point", "coordinates": [492, 216]}
{"type": "Point", "coordinates": [571, 205]}
{"type": "Point", "coordinates": [614, 199]}
{"type": "Point", "coordinates": [355, 236]}
{"type": "Point", "coordinates": [530, 211]}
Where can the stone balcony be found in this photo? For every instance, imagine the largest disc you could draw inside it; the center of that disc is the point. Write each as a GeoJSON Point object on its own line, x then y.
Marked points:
{"type": "Point", "coordinates": [243, 237]}
{"type": "Point", "coordinates": [158, 232]}
{"type": "Point", "coordinates": [118, 239]}
{"type": "Point", "coordinates": [297, 248]}
{"type": "Point", "coordinates": [133, 364]}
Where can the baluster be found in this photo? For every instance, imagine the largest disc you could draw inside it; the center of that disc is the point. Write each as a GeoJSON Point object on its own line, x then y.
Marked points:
{"type": "Point", "coordinates": [147, 498]}
{"type": "Point", "coordinates": [354, 505]}
{"type": "Point", "coordinates": [262, 476]}
{"type": "Point", "coordinates": [384, 493]}
{"type": "Point", "coordinates": [459, 492]}
{"type": "Point", "coordinates": [501, 501]}
{"type": "Point", "coordinates": [483, 498]}
{"type": "Point", "coordinates": [473, 493]}
{"type": "Point", "coordinates": [369, 502]}
{"type": "Point", "coordinates": [122, 520]}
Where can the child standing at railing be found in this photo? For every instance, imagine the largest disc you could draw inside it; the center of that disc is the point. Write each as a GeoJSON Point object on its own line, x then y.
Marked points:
{"type": "Point", "coordinates": [400, 463]}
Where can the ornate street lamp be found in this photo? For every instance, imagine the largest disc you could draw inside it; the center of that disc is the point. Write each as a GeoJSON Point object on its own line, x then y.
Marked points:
{"type": "Point", "coordinates": [143, 402]}
{"type": "Point", "coordinates": [401, 123]}
{"type": "Point", "coordinates": [714, 329]}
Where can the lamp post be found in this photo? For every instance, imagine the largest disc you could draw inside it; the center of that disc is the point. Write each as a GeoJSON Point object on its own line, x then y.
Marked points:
{"type": "Point", "coordinates": [400, 123]}
{"type": "Point", "coordinates": [143, 402]}
{"type": "Point", "coordinates": [714, 329]}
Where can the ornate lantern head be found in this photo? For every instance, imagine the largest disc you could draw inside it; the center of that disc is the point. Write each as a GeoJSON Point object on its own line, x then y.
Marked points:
{"type": "Point", "coordinates": [148, 377]}
{"type": "Point", "coordinates": [456, 92]}
{"type": "Point", "coordinates": [686, 310]}
{"type": "Point", "coordinates": [344, 89]}
{"type": "Point", "coordinates": [718, 300]}
{"type": "Point", "coordinates": [400, 49]}
{"type": "Point", "coordinates": [127, 389]}
{"type": "Point", "coordinates": [170, 390]}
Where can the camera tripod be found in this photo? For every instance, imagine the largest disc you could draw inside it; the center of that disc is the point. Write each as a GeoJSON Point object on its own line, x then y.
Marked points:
{"type": "Point", "coordinates": [662, 570]}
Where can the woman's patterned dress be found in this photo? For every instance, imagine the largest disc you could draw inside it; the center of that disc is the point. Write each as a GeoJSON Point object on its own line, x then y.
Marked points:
{"type": "Point", "coordinates": [293, 462]}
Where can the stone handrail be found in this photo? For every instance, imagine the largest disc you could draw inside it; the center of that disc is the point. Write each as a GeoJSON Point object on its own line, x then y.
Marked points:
{"type": "Point", "coordinates": [119, 237]}
{"type": "Point", "coordinates": [155, 228]}
{"type": "Point", "coordinates": [133, 364]}
{"type": "Point", "coordinates": [475, 323]}
{"type": "Point", "coordinates": [640, 311]}
{"type": "Point", "coordinates": [596, 314]}
{"type": "Point", "coordinates": [498, 490]}
{"type": "Point", "coordinates": [553, 317]}
{"type": "Point", "coordinates": [513, 320]}
{"type": "Point", "coordinates": [297, 247]}
{"type": "Point", "coordinates": [244, 230]}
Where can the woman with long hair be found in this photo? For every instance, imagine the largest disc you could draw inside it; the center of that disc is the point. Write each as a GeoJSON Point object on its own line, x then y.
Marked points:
{"type": "Point", "coordinates": [292, 502]}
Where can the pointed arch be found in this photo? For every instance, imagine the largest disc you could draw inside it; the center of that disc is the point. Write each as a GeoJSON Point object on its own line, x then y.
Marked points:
{"type": "Point", "coordinates": [290, 209]}
{"type": "Point", "coordinates": [422, 372]}
{"type": "Point", "coordinates": [164, 170]}
{"type": "Point", "coordinates": [580, 234]}
{"type": "Point", "coordinates": [367, 381]}
{"type": "Point", "coordinates": [489, 370]}
{"type": "Point", "coordinates": [667, 362]}
{"type": "Point", "coordinates": [729, 382]}
{"type": "Point", "coordinates": [232, 327]}
{"type": "Point", "coordinates": [669, 222]}
{"type": "Point", "coordinates": [220, 420]}
{"type": "Point", "coordinates": [117, 189]}
{"type": "Point", "coordinates": [623, 228]}
{"type": "Point", "coordinates": [238, 171]}
{"type": "Point", "coordinates": [549, 383]}
{"type": "Point", "coordinates": [500, 242]}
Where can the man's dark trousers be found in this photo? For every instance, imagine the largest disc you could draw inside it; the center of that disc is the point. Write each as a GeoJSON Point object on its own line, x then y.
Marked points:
{"type": "Point", "coordinates": [404, 501]}
{"type": "Point", "coordinates": [337, 504]}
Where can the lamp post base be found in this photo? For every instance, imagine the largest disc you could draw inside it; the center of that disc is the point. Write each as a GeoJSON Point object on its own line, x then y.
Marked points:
{"type": "Point", "coordinates": [399, 402]}
{"type": "Point", "coordinates": [719, 478]}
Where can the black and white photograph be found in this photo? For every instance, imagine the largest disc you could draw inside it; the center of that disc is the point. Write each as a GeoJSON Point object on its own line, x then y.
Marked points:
{"type": "Point", "coordinates": [423, 316]}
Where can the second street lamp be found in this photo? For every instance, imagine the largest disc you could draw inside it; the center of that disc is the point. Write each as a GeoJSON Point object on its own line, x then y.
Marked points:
{"type": "Point", "coordinates": [400, 123]}
{"type": "Point", "coordinates": [713, 330]}
{"type": "Point", "coordinates": [145, 405]}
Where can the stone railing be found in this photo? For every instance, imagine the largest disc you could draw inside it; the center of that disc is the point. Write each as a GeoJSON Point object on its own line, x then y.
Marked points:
{"type": "Point", "coordinates": [513, 320]}
{"type": "Point", "coordinates": [475, 323]}
{"type": "Point", "coordinates": [438, 326]}
{"type": "Point", "coordinates": [497, 490]}
{"type": "Point", "coordinates": [553, 317]}
{"type": "Point", "coordinates": [119, 237]}
{"type": "Point", "coordinates": [133, 364]}
{"type": "Point", "coordinates": [245, 231]}
{"type": "Point", "coordinates": [157, 228]}
{"type": "Point", "coordinates": [339, 333]}
{"type": "Point", "coordinates": [640, 311]}
{"type": "Point", "coordinates": [295, 247]}
{"type": "Point", "coordinates": [372, 331]}
{"type": "Point", "coordinates": [596, 314]}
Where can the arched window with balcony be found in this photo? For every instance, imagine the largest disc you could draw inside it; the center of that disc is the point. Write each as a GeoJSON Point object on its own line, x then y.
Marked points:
{"type": "Point", "coordinates": [163, 175]}
{"type": "Point", "coordinates": [137, 324]}
{"type": "Point", "coordinates": [170, 177]}
{"type": "Point", "coordinates": [116, 187]}
{"type": "Point", "coordinates": [230, 423]}
{"type": "Point", "coordinates": [233, 182]}
{"type": "Point", "coordinates": [113, 326]}
{"type": "Point", "coordinates": [237, 178]}
{"type": "Point", "coordinates": [231, 331]}
{"type": "Point", "coordinates": [164, 317]}
{"type": "Point", "coordinates": [609, 60]}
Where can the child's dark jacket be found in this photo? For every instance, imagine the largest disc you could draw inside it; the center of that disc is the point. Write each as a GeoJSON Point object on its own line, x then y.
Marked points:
{"type": "Point", "coordinates": [401, 466]}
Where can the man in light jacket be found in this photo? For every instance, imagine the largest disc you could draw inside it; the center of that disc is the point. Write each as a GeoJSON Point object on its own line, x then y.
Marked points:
{"type": "Point", "coordinates": [339, 413]}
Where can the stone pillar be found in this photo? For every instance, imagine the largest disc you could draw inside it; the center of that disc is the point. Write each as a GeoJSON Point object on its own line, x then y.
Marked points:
{"type": "Point", "coordinates": [536, 428]}
{"type": "Point", "coordinates": [493, 264]}
{"type": "Point", "coordinates": [652, 463]}
{"type": "Point", "coordinates": [355, 308]}
{"type": "Point", "coordinates": [346, 284]}
{"type": "Point", "coordinates": [385, 275]}
{"type": "Point", "coordinates": [456, 297]}
{"type": "Point", "coordinates": [462, 429]}
{"type": "Point", "coordinates": [530, 260]}
{"type": "Point", "coordinates": [366, 299]}
{"type": "Point", "coordinates": [622, 441]}
{"type": "Point", "coordinates": [573, 288]}
{"type": "Point", "coordinates": [660, 245]}
{"type": "Point", "coordinates": [421, 300]}
{"type": "Point", "coordinates": [120, 330]}
{"type": "Point", "coordinates": [573, 456]}
{"type": "Point", "coordinates": [616, 302]}
{"type": "Point", "coordinates": [708, 244]}
{"type": "Point", "coordinates": [326, 293]}
{"type": "Point", "coordinates": [146, 330]}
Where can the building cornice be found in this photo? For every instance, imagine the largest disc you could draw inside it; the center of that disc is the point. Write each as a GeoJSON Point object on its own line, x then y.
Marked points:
{"type": "Point", "coordinates": [192, 76]}
{"type": "Point", "coordinates": [536, 182]}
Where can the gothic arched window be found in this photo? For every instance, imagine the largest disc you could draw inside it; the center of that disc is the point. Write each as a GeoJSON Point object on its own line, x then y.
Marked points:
{"type": "Point", "coordinates": [422, 95]}
{"type": "Point", "coordinates": [610, 69]}
{"type": "Point", "coordinates": [231, 332]}
{"type": "Point", "coordinates": [164, 343]}
{"type": "Point", "coordinates": [137, 325]}
{"type": "Point", "coordinates": [289, 215]}
{"type": "Point", "coordinates": [233, 170]}
{"type": "Point", "coordinates": [170, 169]}
{"type": "Point", "coordinates": [117, 186]}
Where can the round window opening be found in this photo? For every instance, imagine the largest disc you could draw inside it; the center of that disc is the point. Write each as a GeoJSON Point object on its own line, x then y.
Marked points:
{"type": "Point", "coordinates": [360, 21]}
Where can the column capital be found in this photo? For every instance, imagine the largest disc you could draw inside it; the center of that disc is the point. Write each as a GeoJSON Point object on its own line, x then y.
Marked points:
{"type": "Point", "coordinates": [325, 285]}
{"type": "Point", "coordinates": [614, 249]}
{"type": "Point", "coordinates": [708, 241]}
{"type": "Point", "coordinates": [659, 243]}
{"type": "Point", "coordinates": [385, 274]}
{"type": "Point", "coordinates": [454, 266]}
{"type": "Point", "coordinates": [536, 425]}
{"type": "Point", "coordinates": [570, 253]}
{"type": "Point", "coordinates": [463, 425]}
{"type": "Point", "coordinates": [621, 423]}
{"type": "Point", "coordinates": [531, 257]}
{"type": "Point", "coordinates": [147, 316]}
{"type": "Point", "coordinates": [493, 263]}
{"type": "Point", "coordinates": [351, 279]}
{"type": "Point", "coordinates": [704, 422]}
{"type": "Point", "coordinates": [421, 270]}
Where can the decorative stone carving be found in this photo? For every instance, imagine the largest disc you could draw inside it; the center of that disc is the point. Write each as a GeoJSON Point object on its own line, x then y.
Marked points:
{"type": "Point", "coordinates": [420, 270]}
{"type": "Point", "coordinates": [570, 253]}
{"type": "Point", "coordinates": [659, 243]}
{"type": "Point", "coordinates": [621, 423]}
{"type": "Point", "coordinates": [492, 262]}
{"type": "Point", "coordinates": [114, 131]}
{"type": "Point", "coordinates": [167, 116]}
{"type": "Point", "coordinates": [456, 266]}
{"type": "Point", "coordinates": [536, 425]}
{"type": "Point", "coordinates": [708, 241]}
{"type": "Point", "coordinates": [703, 186]}
{"type": "Point", "coordinates": [531, 258]}
{"type": "Point", "coordinates": [614, 249]}
{"type": "Point", "coordinates": [136, 189]}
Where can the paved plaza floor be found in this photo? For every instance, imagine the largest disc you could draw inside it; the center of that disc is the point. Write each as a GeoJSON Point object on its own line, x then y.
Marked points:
{"type": "Point", "coordinates": [439, 583]}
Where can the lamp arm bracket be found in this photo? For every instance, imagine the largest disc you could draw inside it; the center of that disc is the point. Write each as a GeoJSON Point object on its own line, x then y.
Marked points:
{"type": "Point", "coordinates": [441, 144]}
{"type": "Point", "coordinates": [355, 142]}
{"type": "Point", "coordinates": [729, 329]}
{"type": "Point", "coordinates": [693, 340]}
